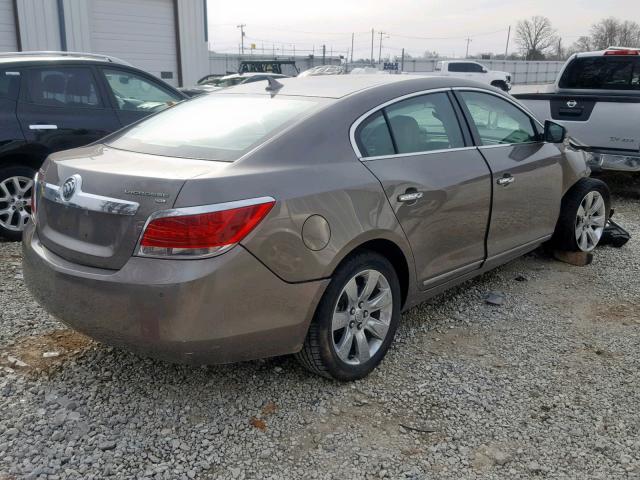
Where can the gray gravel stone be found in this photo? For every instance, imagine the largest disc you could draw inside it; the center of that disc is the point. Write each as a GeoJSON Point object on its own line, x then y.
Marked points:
{"type": "Point", "coordinates": [544, 386]}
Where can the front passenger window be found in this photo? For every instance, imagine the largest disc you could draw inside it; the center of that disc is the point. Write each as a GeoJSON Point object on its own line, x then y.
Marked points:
{"type": "Point", "coordinates": [497, 121]}
{"type": "Point", "coordinates": [135, 93]}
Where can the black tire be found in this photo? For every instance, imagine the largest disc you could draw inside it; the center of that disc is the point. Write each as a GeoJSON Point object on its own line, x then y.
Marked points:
{"type": "Point", "coordinates": [318, 354]}
{"type": "Point", "coordinates": [501, 85]}
{"type": "Point", "coordinates": [5, 173]}
{"type": "Point", "coordinates": [564, 237]}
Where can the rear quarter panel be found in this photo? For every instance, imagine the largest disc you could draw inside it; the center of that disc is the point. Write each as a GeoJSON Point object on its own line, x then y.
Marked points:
{"type": "Point", "coordinates": [310, 170]}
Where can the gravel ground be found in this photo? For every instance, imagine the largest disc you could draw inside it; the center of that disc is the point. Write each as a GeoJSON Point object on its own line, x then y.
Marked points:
{"type": "Point", "coordinates": [545, 385]}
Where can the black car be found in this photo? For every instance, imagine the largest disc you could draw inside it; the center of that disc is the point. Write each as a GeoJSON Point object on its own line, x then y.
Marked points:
{"type": "Point", "coordinates": [52, 101]}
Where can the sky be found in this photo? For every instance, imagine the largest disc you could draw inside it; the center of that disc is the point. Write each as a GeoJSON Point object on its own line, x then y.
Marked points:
{"type": "Point", "coordinates": [417, 26]}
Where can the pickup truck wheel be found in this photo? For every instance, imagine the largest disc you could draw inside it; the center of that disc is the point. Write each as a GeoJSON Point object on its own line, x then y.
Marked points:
{"type": "Point", "coordinates": [355, 321]}
{"type": "Point", "coordinates": [583, 216]}
{"type": "Point", "coordinates": [16, 188]}
{"type": "Point", "coordinates": [501, 85]}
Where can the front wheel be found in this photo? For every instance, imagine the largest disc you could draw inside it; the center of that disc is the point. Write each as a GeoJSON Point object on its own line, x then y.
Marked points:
{"type": "Point", "coordinates": [583, 216]}
{"type": "Point", "coordinates": [16, 189]}
{"type": "Point", "coordinates": [355, 321]}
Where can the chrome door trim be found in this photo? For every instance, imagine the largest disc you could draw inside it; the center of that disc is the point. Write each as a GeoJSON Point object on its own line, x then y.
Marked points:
{"type": "Point", "coordinates": [443, 277]}
{"type": "Point", "coordinates": [412, 154]}
{"type": "Point", "coordinates": [364, 116]}
{"type": "Point", "coordinates": [42, 126]}
{"type": "Point", "coordinates": [89, 201]}
{"type": "Point", "coordinates": [516, 250]}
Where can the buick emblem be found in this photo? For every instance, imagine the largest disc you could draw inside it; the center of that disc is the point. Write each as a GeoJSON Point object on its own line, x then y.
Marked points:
{"type": "Point", "coordinates": [69, 187]}
{"type": "Point", "coordinates": [572, 103]}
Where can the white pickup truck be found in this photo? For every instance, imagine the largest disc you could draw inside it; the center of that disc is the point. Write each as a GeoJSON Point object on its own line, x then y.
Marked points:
{"type": "Point", "coordinates": [596, 97]}
{"type": "Point", "coordinates": [474, 71]}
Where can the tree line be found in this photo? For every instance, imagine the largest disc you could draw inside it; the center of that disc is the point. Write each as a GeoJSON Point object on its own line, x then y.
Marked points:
{"type": "Point", "coordinates": [538, 40]}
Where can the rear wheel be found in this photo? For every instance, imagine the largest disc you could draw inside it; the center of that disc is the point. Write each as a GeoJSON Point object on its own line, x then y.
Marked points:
{"type": "Point", "coordinates": [16, 189]}
{"type": "Point", "coordinates": [583, 216]}
{"type": "Point", "coordinates": [355, 321]}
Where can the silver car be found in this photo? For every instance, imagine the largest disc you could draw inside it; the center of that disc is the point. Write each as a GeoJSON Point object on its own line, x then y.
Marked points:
{"type": "Point", "coordinates": [299, 217]}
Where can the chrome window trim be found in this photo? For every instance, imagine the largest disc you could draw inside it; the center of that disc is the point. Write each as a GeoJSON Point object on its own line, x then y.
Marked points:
{"type": "Point", "coordinates": [412, 154]}
{"type": "Point", "coordinates": [89, 201]}
{"type": "Point", "coordinates": [364, 116]}
{"type": "Point", "coordinates": [196, 210]}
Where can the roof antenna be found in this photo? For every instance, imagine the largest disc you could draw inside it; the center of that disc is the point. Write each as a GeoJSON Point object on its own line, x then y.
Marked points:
{"type": "Point", "coordinates": [273, 86]}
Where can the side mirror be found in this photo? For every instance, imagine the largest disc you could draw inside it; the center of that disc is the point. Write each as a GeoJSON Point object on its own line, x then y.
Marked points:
{"type": "Point", "coordinates": [554, 133]}
{"type": "Point", "coordinates": [484, 70]}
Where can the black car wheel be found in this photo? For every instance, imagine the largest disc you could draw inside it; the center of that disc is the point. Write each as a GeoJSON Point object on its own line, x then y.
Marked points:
{"type": "Point", "coordinates": [583, 216]}
{"type": "Point", "coordinates": [355, 321]}
{"type": "Point", "coordinates": [16, 189]}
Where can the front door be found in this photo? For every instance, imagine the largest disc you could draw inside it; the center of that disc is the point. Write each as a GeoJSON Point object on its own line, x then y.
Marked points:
{"type": "Point", "coordinates": [438, 185]}
{"type": "Point", "coordinates": [527, 173]}
{"type": "Point", "coordinates": [62, 108]}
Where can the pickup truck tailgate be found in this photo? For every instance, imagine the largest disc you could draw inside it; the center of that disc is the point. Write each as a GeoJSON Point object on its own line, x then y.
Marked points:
{"type": "Point", "coordinates": [609, 122]}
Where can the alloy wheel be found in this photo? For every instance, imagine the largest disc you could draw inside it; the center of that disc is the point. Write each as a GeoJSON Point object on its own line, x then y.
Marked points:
{"type": "Point", "coordinates": [362, 317]}
{"type": "Point", "coordinates": [15, 202]}
{"type": "Point", "coordinates": [590, 221]}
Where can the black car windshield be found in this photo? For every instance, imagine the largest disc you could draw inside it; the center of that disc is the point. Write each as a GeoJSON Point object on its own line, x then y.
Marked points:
{"type": "Point", "coordinates": [215, 126]}
{"type": "Point", "coordinates": [613, 72]}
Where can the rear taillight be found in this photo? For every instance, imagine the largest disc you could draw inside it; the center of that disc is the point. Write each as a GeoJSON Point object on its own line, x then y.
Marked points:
{"type": "Point", "coordinates": [622, 52]}
{"type": "Point", "coordinates": [202, 231]}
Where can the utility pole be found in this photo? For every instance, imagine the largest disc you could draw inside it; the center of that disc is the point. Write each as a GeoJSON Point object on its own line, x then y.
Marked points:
{"type": "Point", "coordinates": [380, 50]}
{"type": "Point", "coordinates": [506, 49]}
{"type": "Point", "coordinates": [402, 62]}
{"type": "Point", "coordinates": [241, 27]}
{"type": "Point", "coordinates": [352, 39]}
{"type": "Point", "coordinates": [372, 34]}
{"type": "Point", "coordinates": [559, 49]}
{"type": "Point", "coordinates": [468, 42]}
{"type": "Point", "coordinates": [324, 54]}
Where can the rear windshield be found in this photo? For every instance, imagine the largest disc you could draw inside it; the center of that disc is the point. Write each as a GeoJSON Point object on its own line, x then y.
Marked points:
{"type": "Point", "coordinates": [603, 73]}
{"type": "Point", "coordinates": [215, 126]}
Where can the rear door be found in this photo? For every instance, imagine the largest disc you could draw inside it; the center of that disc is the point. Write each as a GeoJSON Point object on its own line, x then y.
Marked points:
{"type": "Point", "coordinates": [136, 95]}
{"type": "Point", "coordinates": [62, 107]}
{"type": "Point", "coordinates": [527, 173]}
{"type": "Point", "coordinates": [437, 183]}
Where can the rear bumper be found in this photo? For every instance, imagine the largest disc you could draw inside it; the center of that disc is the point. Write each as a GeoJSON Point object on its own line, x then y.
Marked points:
{"type": "Point", "coordinates": [600, 161]}
{"type": "Point", "coordinates": [218, 310]}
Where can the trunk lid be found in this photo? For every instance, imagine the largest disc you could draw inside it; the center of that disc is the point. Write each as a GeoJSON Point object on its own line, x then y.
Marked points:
{"type": "Point", "coordinates": [114, 193]}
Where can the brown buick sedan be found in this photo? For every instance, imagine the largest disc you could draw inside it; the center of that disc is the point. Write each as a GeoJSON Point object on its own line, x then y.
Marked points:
{"type": "Point", "coordinates": [299, 216]}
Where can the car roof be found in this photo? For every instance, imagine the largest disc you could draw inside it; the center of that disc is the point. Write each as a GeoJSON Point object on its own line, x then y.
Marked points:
{"type": "Point", "coordinates": [58, 57]}
{"type": "Point", "coordinates": [339, 86]}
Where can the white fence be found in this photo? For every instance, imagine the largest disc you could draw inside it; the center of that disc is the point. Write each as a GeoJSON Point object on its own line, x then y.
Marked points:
{"type": "Point", "coordinates": [224, 63]}
{"type": "Point", "coordinates": [522, 72]}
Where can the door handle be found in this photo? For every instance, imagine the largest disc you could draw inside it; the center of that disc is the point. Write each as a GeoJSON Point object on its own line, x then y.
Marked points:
{"type": "Point", "coordinates": [43, 126]}
{"type": "Point", "coordinates": [410, 196]}
{"type": "Point", "coordinates": [506, 180]}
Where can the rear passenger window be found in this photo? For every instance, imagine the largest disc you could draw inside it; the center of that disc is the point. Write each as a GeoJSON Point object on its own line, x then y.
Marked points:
{"type": "Point", "coordinates": [63, 87]}
{"type": "Point", "coordinates": [373, 137]}
{"type": "Point", "coordinates": [9, 84]}
{"type": "Point", "coordinates": [424, 123]}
